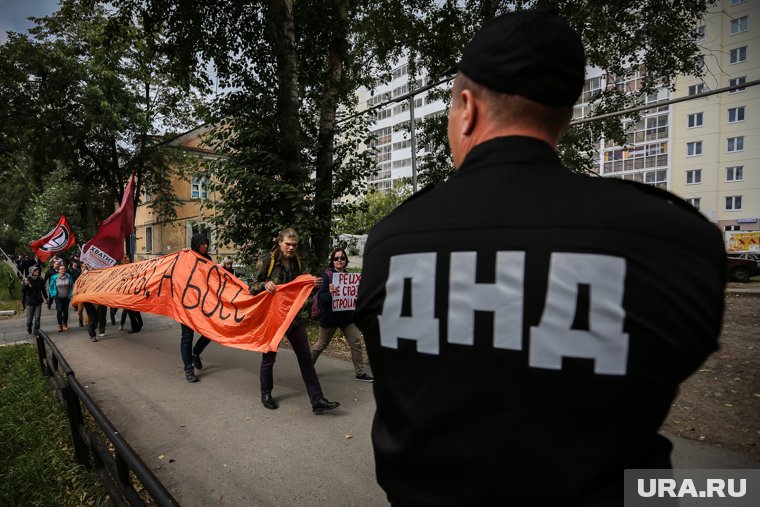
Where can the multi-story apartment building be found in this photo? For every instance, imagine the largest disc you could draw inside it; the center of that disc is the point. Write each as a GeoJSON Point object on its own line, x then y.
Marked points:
{"type": "Point", "coordinates": [706, 150]}
{"type": "Point", "coordinates": [716, 139]}
{"type": "Point", "coordinates": [391, 128]}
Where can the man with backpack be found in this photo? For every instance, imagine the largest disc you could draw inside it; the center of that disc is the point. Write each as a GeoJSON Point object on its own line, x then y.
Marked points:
{"type": "Point", "coordinates": [280, 266]}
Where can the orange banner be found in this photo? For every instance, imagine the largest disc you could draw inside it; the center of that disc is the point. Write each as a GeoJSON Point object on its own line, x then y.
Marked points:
{"type": "Point", "coordinates": [200, 294]}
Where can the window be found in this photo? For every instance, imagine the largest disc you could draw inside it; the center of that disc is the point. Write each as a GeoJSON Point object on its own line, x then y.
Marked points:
{"type": "Point", "coordinates": [147, 191]}
{"type": "Point", "coordinates": [738, 25]}
{"type": "Point", "coordinates": [695, 120]}
{"type": "Point", "coordinates": [737, 55]}
{"type": "Point", "coordinates": [737, 81]}
{"type": "Point", "coordinates": [699, 88]}
{"type": "Point", "coordinates": [198, 188]}
{"type": "Point", "coordinates": [694, 176]}
{"type": "Point", "coordinates": [733, 228]}
{"type": "Point", "coordinates": [733, 202]}
{"type": "Point", "coordinates": [149, 239]}
{"type": "Point", "coordinates": [735, 173]}
{"type": "Point", "coordinates": [695, 201]}
{"type": "Point", "coordinates": [699, 32]}
{"type": "Point", "coordinates": [736, 143]}
{"type": "Point", "coordinates": [694, 148]}
{"type": "Point", "coordinates": [656, 178]}
{"type": "Point", "coordinates": [734, 2]}
{"type": "Point", "coordinates": [736, 114]}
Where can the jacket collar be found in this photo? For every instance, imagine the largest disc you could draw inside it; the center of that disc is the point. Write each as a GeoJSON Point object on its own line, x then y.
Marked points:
{"type": "Point", "coordinates": [510, 149]}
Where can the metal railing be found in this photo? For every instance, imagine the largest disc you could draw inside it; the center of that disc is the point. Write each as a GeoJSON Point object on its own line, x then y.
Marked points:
{"type": "Point", "coordinates": [91, 448]}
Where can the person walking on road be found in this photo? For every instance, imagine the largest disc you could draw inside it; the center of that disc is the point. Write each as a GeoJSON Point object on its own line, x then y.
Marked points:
{"type": "Point", "coordinates": [527, 344]}
{"type": "Point", "coordinates": [61, 288]}
{"type": "Point", "coordinates": [191, 354]}
{"type": "Point", "coordinates": [52, 271]}
{"type": "Point", "coordinates": [274, 268]}
{"type": "Point", "coordinates": [33, 293]}
{"type": "Point", "coordinates": [330, 321]}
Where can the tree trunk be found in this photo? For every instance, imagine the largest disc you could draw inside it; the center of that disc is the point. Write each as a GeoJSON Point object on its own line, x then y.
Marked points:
{"type": "Point", "coordinates": [326, 137]}
{"type": "Point", "coordinates": [288, 123]}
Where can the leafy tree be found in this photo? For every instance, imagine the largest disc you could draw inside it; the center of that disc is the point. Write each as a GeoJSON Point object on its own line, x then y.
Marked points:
{"type": "Point", "coordinates": [59, 197]}
{"type": "Point", "coordinates": [368, 211]}
{"type": "Point", "coordinates": [288, 67]}
{"type": "Point", "coordinates": [91, 91]}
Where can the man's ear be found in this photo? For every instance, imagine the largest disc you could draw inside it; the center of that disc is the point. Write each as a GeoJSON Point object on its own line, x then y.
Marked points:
{"type": "Point", "coordinates": [469, 112]}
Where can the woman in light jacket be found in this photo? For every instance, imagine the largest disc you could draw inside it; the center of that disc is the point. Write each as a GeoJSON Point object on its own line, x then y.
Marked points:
{"type": "Point", "coordinates": [61, 288]}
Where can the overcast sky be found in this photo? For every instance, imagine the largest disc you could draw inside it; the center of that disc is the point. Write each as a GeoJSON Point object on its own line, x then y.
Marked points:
{"type": "Point", "coordinates": [13, 14]}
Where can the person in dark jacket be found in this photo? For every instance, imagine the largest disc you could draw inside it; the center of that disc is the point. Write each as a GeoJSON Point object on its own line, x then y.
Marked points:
{"type": "Point", "coordinates": [527, 344]}
{"type": "Point", "coordinates": [330, 321]}
{"type": "Point", "coordinates": [33, 293]}
{"type": "Point", "coordinates": [280, 266]}
{"type": "Point", "coordinates": [191, 354]}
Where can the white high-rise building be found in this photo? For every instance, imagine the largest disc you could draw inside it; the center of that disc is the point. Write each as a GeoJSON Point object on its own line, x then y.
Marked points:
{"type": "Point", "coordinates": [705, 150]}
{"type": "Point", "coordinates": [391, 128]}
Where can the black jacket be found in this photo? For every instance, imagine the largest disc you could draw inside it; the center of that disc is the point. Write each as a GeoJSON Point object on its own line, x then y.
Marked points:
{"type": "Point", "coordinates": [528, 328]}
{"type": "Point", "coordinates": [33, 292]}
{"type": "Point", "coordinates": [195, 243]}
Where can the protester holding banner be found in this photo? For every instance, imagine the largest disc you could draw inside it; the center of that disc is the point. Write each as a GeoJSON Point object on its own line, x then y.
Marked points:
{"type": "Point", "coordinates": [331, 319]}
{"type": "Point", "coordinates": [191, 355]}
{"type": "Point", "coordinates": [277, 267]}
{"type": "Point", "coordinates": [33, 293]}
{"type": "Point", "coordinates": [61, 287]}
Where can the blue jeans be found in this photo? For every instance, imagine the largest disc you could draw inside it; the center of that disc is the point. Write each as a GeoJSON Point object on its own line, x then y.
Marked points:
{"type": "Point", "coordinates": [186, 346]}
{"type": "Point", "coordinates": [62, 310]}
{"type": "Point", "coordinates": [296, 335]}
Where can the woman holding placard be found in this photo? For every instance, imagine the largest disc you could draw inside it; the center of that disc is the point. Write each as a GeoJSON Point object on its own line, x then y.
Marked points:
{"type": "Point", "coordinates": [330, 321]}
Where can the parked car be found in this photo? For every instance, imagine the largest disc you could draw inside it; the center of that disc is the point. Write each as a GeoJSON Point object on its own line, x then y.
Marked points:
{"type": "Point", "coordinates": [741, 267]}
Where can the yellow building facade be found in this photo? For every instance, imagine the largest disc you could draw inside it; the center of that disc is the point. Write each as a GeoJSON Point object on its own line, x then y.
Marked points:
{"type": "Point", "coordinates": [155, 238]}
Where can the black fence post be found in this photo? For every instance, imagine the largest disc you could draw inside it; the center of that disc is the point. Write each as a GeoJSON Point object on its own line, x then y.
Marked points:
{"type": "Point", "coordinates": [42, 354]}
{"type": "Point", "coordinates": [74, 411]}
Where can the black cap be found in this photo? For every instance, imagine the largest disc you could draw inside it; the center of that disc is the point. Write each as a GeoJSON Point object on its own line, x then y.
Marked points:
{"type": "Point", "coordinates": [534, 54]}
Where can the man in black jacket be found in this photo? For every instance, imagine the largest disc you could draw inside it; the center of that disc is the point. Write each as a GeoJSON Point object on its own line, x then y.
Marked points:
{"type": "Point", "coordinates": [528, 327]}
{"type": "Point", "coordinates": [33, 293]}
{"type": "Point", "coordinates": [191, 355]}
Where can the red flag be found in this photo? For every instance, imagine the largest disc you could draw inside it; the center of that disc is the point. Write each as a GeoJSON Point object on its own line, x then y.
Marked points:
{"type": "Point", "coordinates": [107, 247]}
{"type": "Point", "coordinates": [57, 240]}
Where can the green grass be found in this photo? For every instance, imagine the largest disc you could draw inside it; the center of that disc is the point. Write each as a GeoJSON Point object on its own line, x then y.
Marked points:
{"type": "Point", "coordinates": [37, 462]}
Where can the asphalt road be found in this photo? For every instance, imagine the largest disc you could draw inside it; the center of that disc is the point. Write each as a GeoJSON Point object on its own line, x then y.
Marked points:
{"type": "Point", "coordinates": [213, 443]}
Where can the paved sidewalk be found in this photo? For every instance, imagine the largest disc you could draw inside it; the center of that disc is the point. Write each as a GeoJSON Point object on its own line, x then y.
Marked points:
{"type": "Point", "coordinates": [212, 443]}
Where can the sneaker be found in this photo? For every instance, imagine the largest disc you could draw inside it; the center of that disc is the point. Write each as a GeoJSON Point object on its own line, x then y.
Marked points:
{"type": "Point", "coordinates": [121, 328]}
{"type": "Point", "coordinates": [65, 327]}
{"type": "Point", "coordinates": [29, 330]}
{"type": "Point", "coordinates": [197, 362]}
{"type": "Point", "coordinates": [81, 324]}
{"type": "Point", "coordinates": [93, 338]}
{"type": "Point", "coordinates": [364, 378]}
{"type": "Point", "coordinates": [101, 334]}
{"type": "Point", "coordinates": [60, 328]}
{"type": "Point", "coordinates": [190, 376]}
